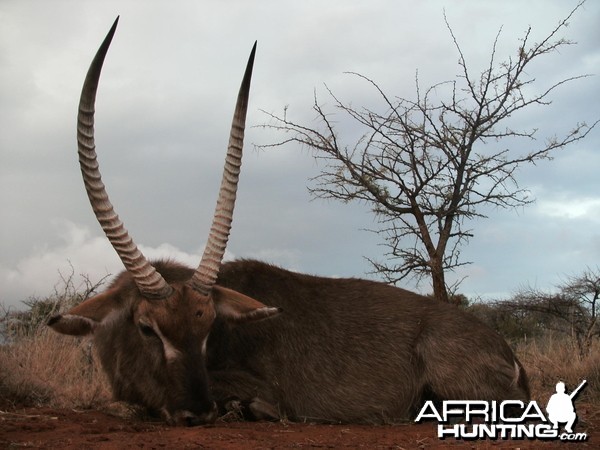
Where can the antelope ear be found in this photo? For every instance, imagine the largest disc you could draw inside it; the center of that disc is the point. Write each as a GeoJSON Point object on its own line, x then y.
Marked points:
{"type": "Point", "coordinates": [236, 307]}
{"type": "Point", "coordinates": [85, 317]}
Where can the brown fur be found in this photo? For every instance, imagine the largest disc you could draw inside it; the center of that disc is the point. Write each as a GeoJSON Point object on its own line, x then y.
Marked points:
{"type": "Point", "coordinates": [342, 350]}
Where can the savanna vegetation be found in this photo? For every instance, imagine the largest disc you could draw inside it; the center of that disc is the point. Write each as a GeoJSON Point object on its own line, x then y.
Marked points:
{"type": "Point", "coordinates": [39, 367]}
{"type": "Point", "coordinates": [555, 333]}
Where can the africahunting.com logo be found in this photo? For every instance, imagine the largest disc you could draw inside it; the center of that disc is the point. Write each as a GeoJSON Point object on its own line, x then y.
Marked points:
{"type": "Point", "coordinates": [510, 419]}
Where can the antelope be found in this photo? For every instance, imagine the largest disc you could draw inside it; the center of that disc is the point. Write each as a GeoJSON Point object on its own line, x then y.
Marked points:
{"type": "Point", "coordinates": [245, 336]}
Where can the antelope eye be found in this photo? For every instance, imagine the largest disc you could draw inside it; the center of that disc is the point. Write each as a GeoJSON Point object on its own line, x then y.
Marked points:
{"type": "Point", "coordinates": [199, 313]}
{"type": "Point", "coordinates": [146, 330]}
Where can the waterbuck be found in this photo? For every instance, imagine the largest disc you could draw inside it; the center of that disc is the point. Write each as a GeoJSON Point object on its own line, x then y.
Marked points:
{"type": "Point", "coordinates": [247, 336]}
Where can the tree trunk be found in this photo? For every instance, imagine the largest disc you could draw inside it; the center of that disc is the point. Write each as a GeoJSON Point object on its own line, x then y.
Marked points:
{"type": "Point", "coordinates": [438, 281]}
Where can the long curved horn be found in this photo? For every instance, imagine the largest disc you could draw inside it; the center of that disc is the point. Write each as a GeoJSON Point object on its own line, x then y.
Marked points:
{"type": "Point", "coordinates": [148, 280]}
{"type": "Point", "coordinates": [206, 274]}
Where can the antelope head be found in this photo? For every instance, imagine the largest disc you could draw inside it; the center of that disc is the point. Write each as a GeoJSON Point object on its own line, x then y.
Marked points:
{"type": "Point", "coordinates": [151, 326]}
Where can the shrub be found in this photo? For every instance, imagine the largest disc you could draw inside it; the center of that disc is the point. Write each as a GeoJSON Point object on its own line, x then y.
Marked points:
{"type": "Point", "coordinates": [553, 358]}
{"type": "Point", "coordinates": [39, 367]}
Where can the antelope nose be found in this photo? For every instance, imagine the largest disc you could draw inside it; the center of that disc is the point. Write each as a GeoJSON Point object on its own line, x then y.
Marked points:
{"type": "Point", "coordinates": [210, 416]}
{"type": "Point", "coordinates": [189, 419]}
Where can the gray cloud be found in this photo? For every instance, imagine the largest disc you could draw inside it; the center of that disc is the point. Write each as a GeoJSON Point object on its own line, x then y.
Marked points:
{"type": "Point", "coordinates": [163, 113]}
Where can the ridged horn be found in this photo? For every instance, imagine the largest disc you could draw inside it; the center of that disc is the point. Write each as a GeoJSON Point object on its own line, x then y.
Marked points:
{"type": "Point", "coordinates": [150, 283]}
{"type": "Point", "coordinates": [206, 273]}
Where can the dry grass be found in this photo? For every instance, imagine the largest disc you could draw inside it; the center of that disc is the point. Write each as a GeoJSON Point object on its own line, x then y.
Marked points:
{"type": "Point", "coordinates": [39, 367]}
{"type": "Point", "coordinates": [53, 370]}
{"type": "Point", "coordinates": [553, 359]}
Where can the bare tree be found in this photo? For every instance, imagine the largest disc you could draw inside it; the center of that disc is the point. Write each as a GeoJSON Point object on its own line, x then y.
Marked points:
{"type": "Point", "coordinates": [584, 291]}
{"type": "Point", "coordinates": [68, 292]}
{"type": "Point", "coordinates": [573, 310]}
{"type": "Point", "coordinates": [427, 166]}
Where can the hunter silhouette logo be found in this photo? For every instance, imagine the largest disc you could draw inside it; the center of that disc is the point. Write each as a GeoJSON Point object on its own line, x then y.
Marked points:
{"type": "Point", "coordinates": [509, 419]}
{"type": "Point", "coordinates": [560, 407]}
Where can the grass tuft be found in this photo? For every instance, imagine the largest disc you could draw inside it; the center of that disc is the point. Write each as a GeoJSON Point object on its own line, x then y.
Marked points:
{"type": "Point", "coordinates": [48, 369]}
{"type": "Point", "coordinates": [551, 359]}
{"type": "Point", "coordinates": [39, 367]}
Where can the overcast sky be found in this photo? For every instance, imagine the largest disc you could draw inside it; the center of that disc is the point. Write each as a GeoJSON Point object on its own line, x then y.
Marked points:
{"type": "Point", "coordinates": [164, 108]}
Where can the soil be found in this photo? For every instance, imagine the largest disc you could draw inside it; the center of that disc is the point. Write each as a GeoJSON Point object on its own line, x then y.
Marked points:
{"type": "Point", "coordinates": [70, 429]}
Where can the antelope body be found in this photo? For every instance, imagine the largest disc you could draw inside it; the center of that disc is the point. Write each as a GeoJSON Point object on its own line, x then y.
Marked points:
{"type": "Point", "coordinates": [266, 342]}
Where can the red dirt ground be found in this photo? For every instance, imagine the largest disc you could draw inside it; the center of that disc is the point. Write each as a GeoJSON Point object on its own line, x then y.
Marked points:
{"type": "Point", "coordinates": [69, 429]}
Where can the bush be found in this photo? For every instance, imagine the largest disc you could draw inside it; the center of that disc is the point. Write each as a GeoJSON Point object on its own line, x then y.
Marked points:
{"type": "Point", "coordinates": [39, 367]}
{"type": "Point", "coordinates": [49, 369]}
{"type": "Point", "coordinates": [554, 358]}
{"type": "Point", "coordinates": [549, 353]}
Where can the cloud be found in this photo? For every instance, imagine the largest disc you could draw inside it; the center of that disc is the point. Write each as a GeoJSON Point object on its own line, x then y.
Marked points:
{"type": "Point", "coordinates": [170, 252]}
{"type": "Point", "coordinates": [80, 252]}
{"type": "Point", "coordinates": [164, 112]}
{"type": "Point", "coordinates": [566, 207]}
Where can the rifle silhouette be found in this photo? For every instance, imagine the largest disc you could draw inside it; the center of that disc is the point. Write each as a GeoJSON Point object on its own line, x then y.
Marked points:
{"type": "Point", "coordinates": [576, 391]}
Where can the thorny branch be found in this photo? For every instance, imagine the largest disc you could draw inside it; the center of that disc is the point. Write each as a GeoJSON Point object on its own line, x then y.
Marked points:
{"type": "Point", "coordinates": [427, 166]}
